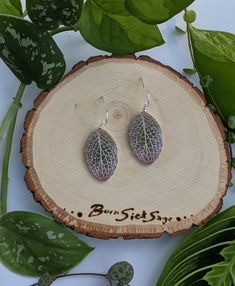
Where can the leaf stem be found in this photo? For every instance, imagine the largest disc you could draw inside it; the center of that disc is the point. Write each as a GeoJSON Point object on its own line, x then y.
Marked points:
{"type": "Point", "coordinates": [6, 157]}
{"type": "Point", "coordinates": [80, 274]}
{"type": "Point", "coordinates": [12, 111]}
{"type": "Point", "coordinates": [62, 29]}
{"type": "Point", "coordinates": [200, 75]}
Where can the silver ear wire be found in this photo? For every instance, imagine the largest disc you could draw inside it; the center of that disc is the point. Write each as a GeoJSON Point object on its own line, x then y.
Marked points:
{"type": "Point", "coordinates": [104, 122]}
{"type": "Point", "coordinates": [146, 105]}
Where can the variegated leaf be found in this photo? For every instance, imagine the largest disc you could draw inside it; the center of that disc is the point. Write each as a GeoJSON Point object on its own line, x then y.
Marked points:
{"type": "Point", "coordinates": [49, 14]}
{"type": "Point", "coordinates": [30, 53]}
{"type": "Point", "coordinates": [145, 137]}
{"type": "Point", "coordinates": [101, 154]}
{"type": "Point", "coordinates": [46, 280]}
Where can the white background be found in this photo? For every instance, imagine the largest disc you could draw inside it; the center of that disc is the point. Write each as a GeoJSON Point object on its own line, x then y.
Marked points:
{"type": "Point", "coordinates": [147, 256]}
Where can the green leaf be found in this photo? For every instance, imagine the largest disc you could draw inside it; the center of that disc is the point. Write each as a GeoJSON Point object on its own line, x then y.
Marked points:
{"type": "Point", "coordinates": [30, 53]}
{"type": "Point", "coordinates": [189, 71]}
{"type": "Point", "coordinates": [50, 14]}
{"type": "Point", "coordinates": [107, 25]}
{"type": "Point", "coordinates": [32, 244]}
{"type": "Point", "coordinates": [46, 280]}
{"type": "Point", "coordinates": [223, 273]}
{"type": "Point", "coordinates": [11, 7]}
{"type": "Point", "coordinates": [214, 55]}
{"type": "Point", "coordinates": [179, 30]}
{"type": "Point", "coordinates": [190, 16]}
{"type": "Point", "coordinates": [196, 255]}
{"type": "Point", "coordinates": [156, 11]}
{"type": "Point", "coordinates": [121, 272]}
{"type": "Point", "coordinates": [231, 121]}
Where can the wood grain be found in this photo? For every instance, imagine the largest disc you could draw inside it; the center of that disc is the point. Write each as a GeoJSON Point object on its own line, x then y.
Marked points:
{"type": "Point", "coordinates": [183, 187]}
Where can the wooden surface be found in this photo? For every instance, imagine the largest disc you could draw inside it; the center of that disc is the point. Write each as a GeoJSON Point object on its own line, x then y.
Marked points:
{"type": "Point", "coordinates": [184, 186]}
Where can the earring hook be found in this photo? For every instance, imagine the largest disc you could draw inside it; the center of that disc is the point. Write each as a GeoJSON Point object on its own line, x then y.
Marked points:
{"type": "Point", "coordinates": [104, 122]}
{"type": "Point", "coordinates": [146, 105]}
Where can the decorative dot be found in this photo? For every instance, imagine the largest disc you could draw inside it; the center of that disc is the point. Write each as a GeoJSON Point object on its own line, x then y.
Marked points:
{"type": "Point", "coordinates": [79, 214]}
{"type": "Point", "coordinates": [178, 218]}
{"type": "Point", "coordinates": [72, 212]}
{"type": "Point", "coordinates": [185, 217]}
{"type": "Point", "coordinates": [64, 209]}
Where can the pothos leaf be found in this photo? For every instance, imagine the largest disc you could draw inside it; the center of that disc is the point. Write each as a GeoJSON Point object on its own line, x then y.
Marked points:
{"type": "Point", "coordinates": [223, 273]}
{"type": "Point", "coordinates": [46, 280]}
{"type": "Point", "coordinates": [214, 56]}
{"type": "Point", "coordinates": [107, 25]}
{"type": "Point", "coordinates": [32, 244]}
{"type": "Point", "coordinates": [49, 14]}
{"type": "Point", "coordinates": [29, 52]}
{"type": "Point", "coordinates": [197, 254]}
{"type": "Point", "coordinates": [12, 7]}
{"type": "Point", "coordinates": [145, 137]}
{"type": "Point", "coordinates": [101, 154]}
{"type": "Point", "coordinates": [121, 272]}
{"type": "Point", "coordinates": [156, 11]}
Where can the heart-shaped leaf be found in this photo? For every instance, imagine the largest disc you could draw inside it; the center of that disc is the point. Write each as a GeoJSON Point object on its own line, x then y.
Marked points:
{"type": "Point", "coordinates": [29, 52]}
{"type": "Point", "coordinates": [121, 272]}
{"type": "Point", "coordinates": [50, 14]}
{"type": "Point", "coordinates": [32, 244]}
{"type": "Point", "coordinates": [145, 137]}
{"type": "Point", "coordinates": [46, 280]}
{"type": "Point", "coordinates": [215, 58]}
{"type": "Point", "coordinates": [107, 25]}
{"type": "Point", "coordinates": [12, 7]}
{"type": "Point", "coordinates": [223, 273]}
{"type": "Point", "coordinates": [101, 154]}
{"type": "Point", "coordinates": [156, 11]}
{"type": "Point", "coordinates": [198, 253]}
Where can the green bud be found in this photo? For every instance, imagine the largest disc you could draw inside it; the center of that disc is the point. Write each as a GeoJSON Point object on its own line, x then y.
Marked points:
{"type": "Point", "coordinates": [230, 184]}
{"type": "Point", "coordinates": [190, 16]}
{"type": "Point", "coordinates": [231, 137]}
{"type": "Point", "coordinates": [207, 81]}
{"type": "Point", "coordinates": [231, 121]}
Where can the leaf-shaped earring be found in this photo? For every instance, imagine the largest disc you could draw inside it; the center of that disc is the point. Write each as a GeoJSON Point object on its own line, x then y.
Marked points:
{"type": "Point", "coordinates": [100, 153]}
{"type": "Point", "coordinates": [145, 135]}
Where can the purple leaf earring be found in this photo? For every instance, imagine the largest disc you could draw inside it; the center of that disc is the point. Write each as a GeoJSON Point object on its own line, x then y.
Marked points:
{"type": "Point", "coordinates": [145, 135]}
{"type": "Point", "coordinates": [100, 152]}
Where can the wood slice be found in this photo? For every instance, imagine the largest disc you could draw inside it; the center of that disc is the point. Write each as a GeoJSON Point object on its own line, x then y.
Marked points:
{"type": "Point", "coordinates": [183, 187]}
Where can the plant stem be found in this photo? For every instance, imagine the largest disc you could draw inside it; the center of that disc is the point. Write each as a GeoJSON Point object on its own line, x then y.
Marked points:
{"type": "Point", "coordinates": [12, 111]}
{"type": "Point", "coordinates": [80, 274]}
{"type": "Point", "coordinates": [7, 151]}
{"type": "Point", "coordinates": [62, 29]}
{"type": "Point", "coordinates": [200, 75]}
{"type": "Point", "coordinates": [25, 13]}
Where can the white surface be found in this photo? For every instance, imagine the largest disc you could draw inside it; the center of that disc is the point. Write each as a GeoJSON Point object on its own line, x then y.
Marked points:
{"type": "Point", "coordinates": [147, 256]}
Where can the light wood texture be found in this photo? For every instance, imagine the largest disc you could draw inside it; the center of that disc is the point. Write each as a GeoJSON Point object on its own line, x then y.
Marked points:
{"type": "Point", "coordinates": [183, 187]}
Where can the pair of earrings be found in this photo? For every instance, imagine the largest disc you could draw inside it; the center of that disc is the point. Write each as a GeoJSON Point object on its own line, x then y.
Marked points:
{"type": "Point", "coordinates": [145, 139]}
